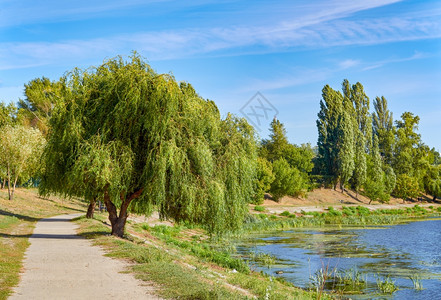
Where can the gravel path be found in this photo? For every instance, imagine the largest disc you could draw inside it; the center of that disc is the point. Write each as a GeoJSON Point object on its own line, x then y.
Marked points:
{"type": "Point", "coordinates": [62, 265]}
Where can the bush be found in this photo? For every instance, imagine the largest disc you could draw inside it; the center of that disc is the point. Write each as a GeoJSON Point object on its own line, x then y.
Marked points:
{"type": "Point", "coordinates": [333, 212]}
{"type": "Point", "coordinates": [349, 211]}
{"type": "Point", "coordinates": [264, 178]}
{"type": "Point", "coordinates": [406, 187]}
{"type": "Point", "coordinates": [285, 213]}
{"type": "Point", "coordinates": [363, 211]}
{"type": "Point", "coordinates": [288, 180]}
{"type": "Point", "coordinates": [259, 208]}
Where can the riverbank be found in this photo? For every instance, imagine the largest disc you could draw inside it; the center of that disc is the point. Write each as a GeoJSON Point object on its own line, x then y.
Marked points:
{"type": "Point", "coordinates": [183, 263]}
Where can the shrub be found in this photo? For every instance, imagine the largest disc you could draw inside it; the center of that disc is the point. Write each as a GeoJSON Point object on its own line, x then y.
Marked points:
{"type": "Point", "coordinates": [406, 187]}
{"type": "Point", "coordinates": [349, 211]}
{"type": "Point", "coordinates": [363, 211]}
{"type": "Point", "coordinates": [259, 208]}
{"type": "Point", "coordinates": [264, 178]}
{"type": "Point", "coordinates": [285, 213]}
{"type": "Point", "coordinates": [288, 180]}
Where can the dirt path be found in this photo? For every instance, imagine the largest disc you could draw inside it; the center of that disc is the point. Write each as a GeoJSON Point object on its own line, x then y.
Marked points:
{"type": "Point", "coordinates": [62, 265]}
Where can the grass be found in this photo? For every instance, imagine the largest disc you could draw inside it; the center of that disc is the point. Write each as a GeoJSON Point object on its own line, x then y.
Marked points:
{"type": "Point", "coordinates": [348, 215]}
{"type": "Point", "coordinates": [259, 208]}
{"type": "Point", "coordinates": [17, 220]}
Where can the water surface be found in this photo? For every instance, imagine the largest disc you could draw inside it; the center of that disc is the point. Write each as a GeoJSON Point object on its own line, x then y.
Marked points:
{"type": "Point", "coordinates": [397, 251]}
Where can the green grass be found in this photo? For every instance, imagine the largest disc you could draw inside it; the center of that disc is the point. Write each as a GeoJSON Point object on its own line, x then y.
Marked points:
{"type": "Point", "coordinates": [259, 208]}
{"type": "Point", "coordinates": [348, 215]}
{"type": "Point", "coordinates": [11, 252]}
{"type": "Point", "coordinates": [189, 268]}
{"type": "Point", "coordinates": [205, 251]}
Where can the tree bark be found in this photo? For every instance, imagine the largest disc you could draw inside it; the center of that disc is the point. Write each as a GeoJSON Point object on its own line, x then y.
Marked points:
{"type": "Point", "coordinates": [118, 222]}
{"type": "Point", "coordinates": [91, 208]}
{"type": "Point", "coordinates": [15, 184]}
{"type": "Point", "coordinates": [10, 193]}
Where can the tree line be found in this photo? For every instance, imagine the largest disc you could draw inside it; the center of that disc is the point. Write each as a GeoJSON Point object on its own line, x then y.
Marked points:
{"type": "Point", "coordinates": [138, 140]}
{"type": "Point", "coordinates": [367, 152]}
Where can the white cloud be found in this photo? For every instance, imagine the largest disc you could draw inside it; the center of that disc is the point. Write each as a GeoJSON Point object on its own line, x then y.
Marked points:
{"type": "Point", "coordinates": [379, 64]}
{"type": "Point", "coordinates": [19, 12]}
{"type": "Point", "coordinates": [348, 63]}
{"type": "Point", "coordinates": [315, 26]}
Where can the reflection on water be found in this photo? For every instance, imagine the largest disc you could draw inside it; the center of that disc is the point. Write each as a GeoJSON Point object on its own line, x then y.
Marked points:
{"type": "Point", "coordinates": [396, 251]}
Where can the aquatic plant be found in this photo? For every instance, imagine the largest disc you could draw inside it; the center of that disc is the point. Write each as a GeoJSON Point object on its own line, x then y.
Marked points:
{"type": "Point", "coordinates": [416, 280]}
{"type": "Point", "coordinates": [386, 285]}
{"type": "Point", "coordinates": [263, 258]}
{"type": "Point", "coordinates": [319, 279]}
{"type": "Point", "coordinates": [351, 278]}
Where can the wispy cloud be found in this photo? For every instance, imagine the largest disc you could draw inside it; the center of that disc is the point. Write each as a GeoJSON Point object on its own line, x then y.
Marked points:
{"type": "Point", "coordinates": [348, 63]}
{"type": "Point", "coordinates": [296, 78]}
{"type": "Point", "coordinates": [379, 64]}
{"type": "Point", "coordinates": [324, 27]}
{"type": "Point", "coordinates": [19, 12]}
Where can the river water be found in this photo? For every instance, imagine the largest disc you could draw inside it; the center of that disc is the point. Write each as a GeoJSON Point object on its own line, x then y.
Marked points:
{"type": "Point", "coordinates": [398, 251]}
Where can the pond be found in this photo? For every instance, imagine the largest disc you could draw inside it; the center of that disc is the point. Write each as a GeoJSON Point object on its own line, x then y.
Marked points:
{"type": "Point", "coordinates": [371, 253]}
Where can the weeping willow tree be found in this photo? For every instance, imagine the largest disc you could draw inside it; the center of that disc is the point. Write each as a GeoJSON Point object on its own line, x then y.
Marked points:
{"type": "Point", "coordinates": [139, 139]}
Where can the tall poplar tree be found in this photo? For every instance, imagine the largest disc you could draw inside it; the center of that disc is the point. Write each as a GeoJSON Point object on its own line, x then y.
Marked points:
{"type": "Point", "coordinates": [382, 121]}
{"type": "Point", "coordinates": [336, 137]}
{"type": "Point", "coordinates": [362, 131]}
{"type": "Point", "coordinates": [407, 142]}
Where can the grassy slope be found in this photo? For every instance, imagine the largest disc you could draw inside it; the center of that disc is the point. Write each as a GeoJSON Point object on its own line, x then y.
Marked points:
{"type": "Point", "coordinates": [17, 221]}
{"type": "Point", "coordinates": [176, 264]}
{"type": "Point", "coordinates": [182, 265]}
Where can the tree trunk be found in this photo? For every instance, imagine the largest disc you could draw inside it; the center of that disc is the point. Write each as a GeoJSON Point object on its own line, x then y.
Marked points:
{"type": "Point", "coordinates": [434, 198]}
{"type": "Point", "coordinates": [91, 208]}
{"type": "Point", "coordinates": [3, 183]}
{"type": "Point", "coordinates": [15, 184]}
{"type": "Point", "coordinates": [119, 222]}
{"type": "Point", "coordinates": [10, 193]}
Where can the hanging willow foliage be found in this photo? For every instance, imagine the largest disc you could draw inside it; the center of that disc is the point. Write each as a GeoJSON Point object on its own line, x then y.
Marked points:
{"type": "Point", "coordinates": [140, 139]}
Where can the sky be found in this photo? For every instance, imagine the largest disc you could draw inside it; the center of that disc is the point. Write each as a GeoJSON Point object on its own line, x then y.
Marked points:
{"type": "Point", "coordinates": [256, 59]}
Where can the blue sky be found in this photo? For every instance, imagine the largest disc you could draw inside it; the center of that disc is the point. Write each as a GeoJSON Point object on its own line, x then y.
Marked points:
{"type": "Point", "coordinates": [230, 50]}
